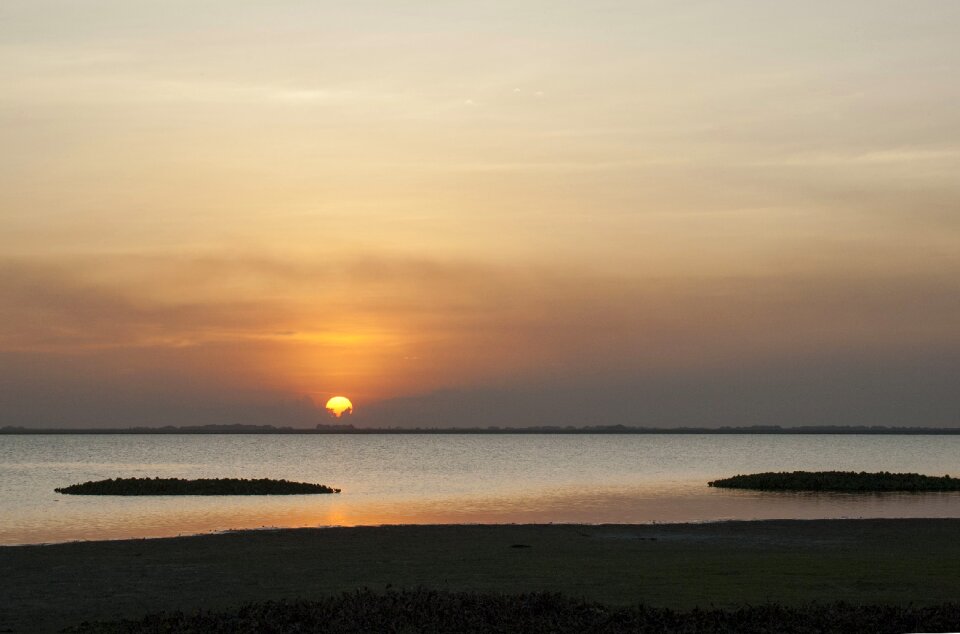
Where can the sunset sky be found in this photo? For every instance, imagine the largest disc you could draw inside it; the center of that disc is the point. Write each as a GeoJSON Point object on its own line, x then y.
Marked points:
{"type": "Point", "coordinates": [682, 212]}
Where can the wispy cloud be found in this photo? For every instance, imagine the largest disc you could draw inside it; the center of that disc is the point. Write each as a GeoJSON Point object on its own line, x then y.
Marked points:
{"type": "Point", "coordinates": [899, 155]}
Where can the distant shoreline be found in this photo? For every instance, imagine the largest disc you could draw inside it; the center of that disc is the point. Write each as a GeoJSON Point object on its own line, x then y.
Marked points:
{"type": "Point", "coordinates": [543, 430]}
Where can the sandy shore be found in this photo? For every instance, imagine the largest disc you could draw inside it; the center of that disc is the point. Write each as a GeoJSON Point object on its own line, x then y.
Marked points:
{"type": "Point", "coordinates": [44, 588]}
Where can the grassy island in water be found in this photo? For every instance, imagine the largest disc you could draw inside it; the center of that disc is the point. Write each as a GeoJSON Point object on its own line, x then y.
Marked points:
{"type": "Point", "coordinates": [839, 481]}
{"type": "Point", "coordinates": [204, 486]}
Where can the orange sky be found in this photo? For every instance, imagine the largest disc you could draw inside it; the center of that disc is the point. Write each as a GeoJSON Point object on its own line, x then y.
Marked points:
{"type": "Point", "coordinates": [704, 213]}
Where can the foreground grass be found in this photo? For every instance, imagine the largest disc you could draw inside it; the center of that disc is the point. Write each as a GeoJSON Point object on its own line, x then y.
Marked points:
{"type": "Point", "coordinates": [677, 566]}
{"type": "Point", "coordinates": [203, 486]}
{"type": "Point", "coordinates": [840, 481]}
{"type": "Point", "coordinates": [432, 611]}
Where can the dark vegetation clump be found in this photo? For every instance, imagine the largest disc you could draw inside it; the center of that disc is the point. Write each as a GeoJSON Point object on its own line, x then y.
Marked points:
{"type": "Point", "coordinates": [204, 486]}
{"type": "Point", "coordinates": [440, 611]}
{"type": "Point", "coordinates": [843, 481]}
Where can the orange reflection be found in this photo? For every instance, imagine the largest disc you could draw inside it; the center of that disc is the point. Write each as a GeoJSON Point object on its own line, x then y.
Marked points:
{"type": "Point", "coordinates": [625, 506]}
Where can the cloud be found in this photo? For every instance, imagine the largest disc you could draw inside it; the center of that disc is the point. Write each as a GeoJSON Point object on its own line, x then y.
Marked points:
{"type": "Point", "coordinates": [896, 155]}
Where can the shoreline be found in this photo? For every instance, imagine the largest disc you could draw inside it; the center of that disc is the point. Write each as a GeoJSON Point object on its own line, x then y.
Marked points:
{"type": "Point", "coordinates": [450, 525]}
{"type": "Point", "coordinates": [276, 529]}
{"type": "Point", "coordinates": [47, 587]}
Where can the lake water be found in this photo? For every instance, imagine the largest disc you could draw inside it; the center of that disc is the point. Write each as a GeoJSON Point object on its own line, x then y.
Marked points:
{"type": "Point", "coordinates": [416, 479]}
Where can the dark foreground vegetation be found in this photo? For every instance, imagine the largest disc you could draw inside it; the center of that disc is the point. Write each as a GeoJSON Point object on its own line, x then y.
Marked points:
{"type": "Point", "coordinates": [442, 611]}
{"type": "Point", "coordinates": [205, 486]}
{"type": "Point", "coordinates": [841, 481]}
{"type": "Point", "coordinates": [911, 563]}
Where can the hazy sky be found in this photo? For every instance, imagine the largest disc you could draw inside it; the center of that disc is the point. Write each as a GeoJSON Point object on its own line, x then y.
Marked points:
{"type": "Point", "coordinates": [648, 212]}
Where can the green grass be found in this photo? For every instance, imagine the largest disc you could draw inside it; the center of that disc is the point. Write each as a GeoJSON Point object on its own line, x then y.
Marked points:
{"type": "Point", "coordinates": [839, 481]}
{"type": "Point", "coordinates": [678, 566]}
{"type": "Point", "coordinates": [206, 486]}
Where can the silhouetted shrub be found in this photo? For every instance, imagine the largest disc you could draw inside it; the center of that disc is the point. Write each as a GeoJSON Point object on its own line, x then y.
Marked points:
{"type": "Point", "coordinates": [205, 486]}
{"type": "Point", "coordinates": [439, 611]}
{"type": "Point", "coordinates": [843, 481]}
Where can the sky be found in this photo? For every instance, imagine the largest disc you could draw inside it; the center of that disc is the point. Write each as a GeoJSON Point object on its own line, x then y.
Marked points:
{"type": "Point", "coordinates": [480, 213]}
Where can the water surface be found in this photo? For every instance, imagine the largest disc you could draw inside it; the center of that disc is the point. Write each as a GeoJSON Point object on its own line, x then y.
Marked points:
{"type": "Point", "coordinates": [415, 479]}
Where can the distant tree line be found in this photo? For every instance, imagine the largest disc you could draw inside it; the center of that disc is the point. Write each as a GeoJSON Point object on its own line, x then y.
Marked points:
{"type": "Point", "coordinates": [541, 429]}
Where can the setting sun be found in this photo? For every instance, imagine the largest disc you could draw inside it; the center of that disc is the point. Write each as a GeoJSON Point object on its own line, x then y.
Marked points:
{"type": "Point", "coordinates": [338, 405]}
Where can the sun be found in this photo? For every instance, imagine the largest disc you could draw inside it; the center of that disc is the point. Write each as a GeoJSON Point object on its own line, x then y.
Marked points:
{"type": "Point", "coordinates": [339, 405]}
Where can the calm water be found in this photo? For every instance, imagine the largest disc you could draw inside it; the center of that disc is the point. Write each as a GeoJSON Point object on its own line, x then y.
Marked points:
{"type": "Point", "coordinates": [448, 479]}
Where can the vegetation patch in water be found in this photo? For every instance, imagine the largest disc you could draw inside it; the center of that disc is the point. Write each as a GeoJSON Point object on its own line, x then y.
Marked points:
{"type": "Point", "coordinates": [842, 481]}
{"type": "Point", "coordinates": [441, 611]}
{"type": "Point", "coordinates": [204, 486]}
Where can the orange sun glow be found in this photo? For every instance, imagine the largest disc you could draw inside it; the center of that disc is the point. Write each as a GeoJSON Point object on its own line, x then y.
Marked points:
{"type": "Point", "coordinates": [338, 405]}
